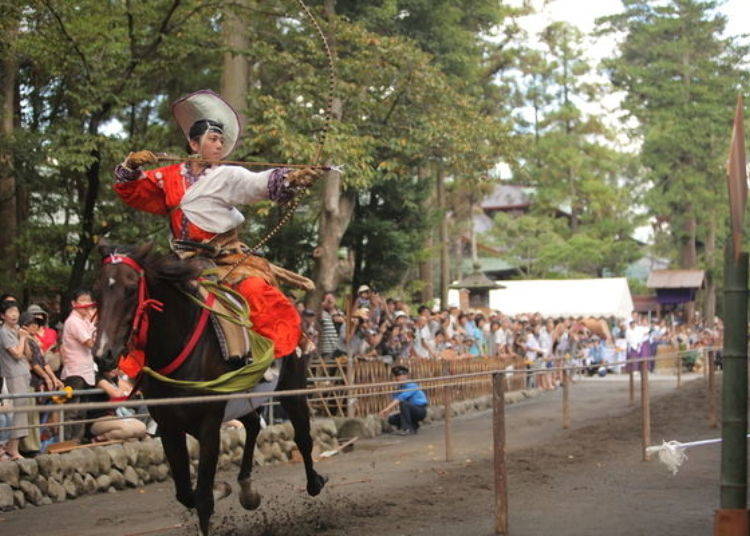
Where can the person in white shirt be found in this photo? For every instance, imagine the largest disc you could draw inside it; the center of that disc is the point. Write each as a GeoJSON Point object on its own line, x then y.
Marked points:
{"type": "Point", "coordinates": [545, 343]}
{"type": "Point", "coordinates": [533, 353]}
{"type": "Point", "coordinates": [499, 339]}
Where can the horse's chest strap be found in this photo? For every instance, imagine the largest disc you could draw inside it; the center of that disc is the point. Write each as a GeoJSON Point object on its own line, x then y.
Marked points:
{"type": "Point", "coordinates": [200, 328]}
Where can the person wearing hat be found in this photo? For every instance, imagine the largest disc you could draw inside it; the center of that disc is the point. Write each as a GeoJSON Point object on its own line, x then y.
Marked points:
{"type": "Point", "coordinates": [363, 298]}
{"type": "Point", "coordinates": [361, 338]}
{"type": "Point", "coordinates": [200, 199]}
{"type": "Point", "coordinates": [369, 299]}
{"type": "Point", "coordinates": [46, 336]}
{"type": "Point", "coordinates": [42, 379]}
{"type": "Point", "coordinates": [411, 403]}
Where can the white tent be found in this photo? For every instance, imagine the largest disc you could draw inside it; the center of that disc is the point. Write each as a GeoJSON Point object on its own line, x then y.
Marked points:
{"type": "Point", "coordinates": [561, 297]}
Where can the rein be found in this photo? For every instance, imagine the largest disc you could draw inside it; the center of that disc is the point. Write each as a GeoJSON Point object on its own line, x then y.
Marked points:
{"type": "Point", "coordinates": [139, 331]}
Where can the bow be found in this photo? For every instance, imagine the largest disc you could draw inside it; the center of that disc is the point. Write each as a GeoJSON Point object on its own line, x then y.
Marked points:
{"type": "Point", "coordinates": [292, 205]}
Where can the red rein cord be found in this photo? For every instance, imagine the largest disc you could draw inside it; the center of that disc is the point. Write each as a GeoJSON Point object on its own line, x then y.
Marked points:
{"type": "Point", "coordinates": [200, 327]}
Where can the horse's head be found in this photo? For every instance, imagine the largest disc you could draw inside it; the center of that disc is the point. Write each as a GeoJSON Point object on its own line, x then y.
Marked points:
{"type": "Point", "coordinates": [117, 288]}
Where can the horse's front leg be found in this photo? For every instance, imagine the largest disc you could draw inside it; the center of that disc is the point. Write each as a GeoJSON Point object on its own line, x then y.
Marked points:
{"type": "Point", "coordinates": [209, 454]}
{"type": "Point", "coordinates": [299, 414]}
{"type": "Point", "coordinates": [175, 449]}
{"type": "Point", "coordinates": [249, 499]}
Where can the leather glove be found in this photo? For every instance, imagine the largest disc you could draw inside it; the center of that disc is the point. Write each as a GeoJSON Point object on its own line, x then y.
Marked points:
{"type": "Point", "coordinates": [304, 177]}
{"type": "Point", "coordinates": [139, 159]}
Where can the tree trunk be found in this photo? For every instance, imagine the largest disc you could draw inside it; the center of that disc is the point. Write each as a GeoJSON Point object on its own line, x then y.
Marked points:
{"type": "Point", "coordinates": [688, 252]}
{"type": "Point", "coordinates": [427, 266]}
{"type": "Point", "coordinates": [86, 238]}
{"type": "Point", "coordinates": [443, 239]}
{"type": "Point", "coordinates": [427, 272]}
{"type": "Point", "coordinates": [235, 73]}
{"type": "Point", "coordinates": [8, 207]}
{"type": "Point", "coordinates": [359, 252]}
{"type": "Point", "coordinates": [689, 256]}
{"type": "Point", "coordinates": [337, 209]}
{"type": "Point", "coordinates": [472, 231]}
{"type": "Point", "coordinates": [709, 303]}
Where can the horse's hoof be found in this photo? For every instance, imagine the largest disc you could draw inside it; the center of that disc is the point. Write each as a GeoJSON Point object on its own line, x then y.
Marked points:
{"type": "Point", "coordinates": [221, 490]}
{"type": "Point", "coordinates": [250, 500]}
{"type": "Point", "coordinates": [315, 486]}
{"type": "Point", "coordinates": [187, 501]}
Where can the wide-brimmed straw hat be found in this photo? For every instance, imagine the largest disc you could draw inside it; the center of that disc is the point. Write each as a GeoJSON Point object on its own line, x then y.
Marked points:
{"type": "Point", "coordinates": [205, 104]}
{"type": "Point", "coordinates": [362, 313]}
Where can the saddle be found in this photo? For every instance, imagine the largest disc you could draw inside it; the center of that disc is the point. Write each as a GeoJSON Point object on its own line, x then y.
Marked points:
{"type": "Point", "coordinates": [226, 262]}
{"type": "Point", "coordinates": [234, 261]}
{"type": "Point", "coordinates": [231, 331]}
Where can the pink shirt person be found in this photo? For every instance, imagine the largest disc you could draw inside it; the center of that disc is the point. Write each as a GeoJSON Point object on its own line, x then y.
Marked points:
{"type": "Point", "coordinates": [77, 340]}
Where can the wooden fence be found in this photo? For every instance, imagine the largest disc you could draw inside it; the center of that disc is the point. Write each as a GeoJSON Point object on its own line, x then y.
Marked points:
{"type": "Point", "coordinates": [468, 388]}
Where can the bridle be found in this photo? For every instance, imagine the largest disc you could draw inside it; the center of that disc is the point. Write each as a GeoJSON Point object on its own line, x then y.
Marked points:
{"type": "Point", "coordinates": [139, 331]}
{"type": "Point", "coordinates": [139, 328]}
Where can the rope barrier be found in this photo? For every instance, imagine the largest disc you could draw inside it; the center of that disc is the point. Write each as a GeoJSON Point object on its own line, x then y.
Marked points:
{"type": "Point", "coordinates": [204, 399]}
{"type": "Point", "coordinates": [50, 394]}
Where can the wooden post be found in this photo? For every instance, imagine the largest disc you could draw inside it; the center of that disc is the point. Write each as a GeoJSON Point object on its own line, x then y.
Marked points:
{"type": "Point", "coordinates": [679, 369]}
{"type": "Point", "coordinates": [706, 355]}
{"type": "Point", "coordinates": [566, 399]}
{"type": "Point", "coordinates": [350, 359]}
{"type": "Point", "coordinates": [61, 432]}
{"type": "Point", "coordinates": [713, 421]}
{"type": "Point", "coordinates": [498, 437]}
{"type": "Point", "coordinates": [632, 384]}
{"type": "Point", "coordinates": [645, 410]}
{"type": "Point", "coordinates": [350, 401]}
{"type": "Point", "coordinates": [448, 422]}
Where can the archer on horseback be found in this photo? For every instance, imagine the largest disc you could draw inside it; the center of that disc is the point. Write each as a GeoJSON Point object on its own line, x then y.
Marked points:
{"type": "Point", "coordinates": [148, 303]}
{"type": "Point", "coordinates": [199, 198]}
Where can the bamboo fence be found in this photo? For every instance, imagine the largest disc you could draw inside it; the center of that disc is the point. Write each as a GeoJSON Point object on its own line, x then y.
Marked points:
{"type": "Point", "coordinates": [367, 372]}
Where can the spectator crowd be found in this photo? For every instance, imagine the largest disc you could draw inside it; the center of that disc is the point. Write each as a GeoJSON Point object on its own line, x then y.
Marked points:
{"type": "Point", "coordinates": [36, 357]}
{"type": "Point", "coordinates": [387, 329]}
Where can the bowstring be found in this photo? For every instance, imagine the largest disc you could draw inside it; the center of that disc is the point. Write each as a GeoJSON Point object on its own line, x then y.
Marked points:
{"type": "Point", "coordinates": [292, 205]}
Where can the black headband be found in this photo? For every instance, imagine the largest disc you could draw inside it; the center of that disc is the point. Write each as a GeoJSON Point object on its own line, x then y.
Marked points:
{"type": "Point", "coordinates": [202, 126]}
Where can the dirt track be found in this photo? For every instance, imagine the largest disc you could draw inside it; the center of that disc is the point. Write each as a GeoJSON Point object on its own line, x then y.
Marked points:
{"type": "Point", "coordinates": [587, 481]}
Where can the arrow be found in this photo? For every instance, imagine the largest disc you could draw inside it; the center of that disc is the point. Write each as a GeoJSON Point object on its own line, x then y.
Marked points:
{"type": "Point", "coordinates": [164, 157]}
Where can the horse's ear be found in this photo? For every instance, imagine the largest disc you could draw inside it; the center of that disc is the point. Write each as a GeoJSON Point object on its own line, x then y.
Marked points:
{"type": "Point", "coordinates": [143, 250]}
{"type": "Point", "coordinates": [104, 247]}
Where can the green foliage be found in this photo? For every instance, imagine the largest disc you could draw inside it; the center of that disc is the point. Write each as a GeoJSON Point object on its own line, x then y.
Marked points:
{"type": "Point", "coordinates": [422, 87]}
{"type": "Point", "coordinates": [583, 188]}
{"type": "Point", "coordinates": [680, 76]}
{"type": "Point", "coordinates": [388, 231]}
{"type": "Point", "coordinates": [96, 80]}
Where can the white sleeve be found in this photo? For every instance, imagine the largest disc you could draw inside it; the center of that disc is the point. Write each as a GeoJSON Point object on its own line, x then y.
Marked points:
{"type": "Point", "coordinates": [243, 187]}
{"type": "Point", "coordinates": [210, 203]}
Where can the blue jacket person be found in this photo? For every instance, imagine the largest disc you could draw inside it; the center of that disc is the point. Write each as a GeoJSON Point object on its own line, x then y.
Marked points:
{"type": "Point", "coordinates": [410, 400]}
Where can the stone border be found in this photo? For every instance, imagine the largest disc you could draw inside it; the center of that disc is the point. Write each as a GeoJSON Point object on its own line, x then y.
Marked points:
{"type": "Point", "coordinates": [51, 478]}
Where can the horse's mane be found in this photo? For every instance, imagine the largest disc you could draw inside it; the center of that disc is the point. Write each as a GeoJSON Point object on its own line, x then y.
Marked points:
{"type": "Point", "coordinates": [170, 268]}
{"type": "Point", "coordinates": [159, 265]}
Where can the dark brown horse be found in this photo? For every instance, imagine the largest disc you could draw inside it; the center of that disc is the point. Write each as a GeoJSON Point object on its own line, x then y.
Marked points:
{"type": "Point", "coordinates": [168, 280]}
